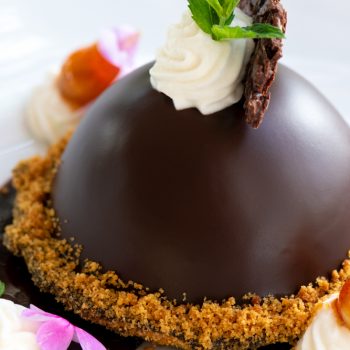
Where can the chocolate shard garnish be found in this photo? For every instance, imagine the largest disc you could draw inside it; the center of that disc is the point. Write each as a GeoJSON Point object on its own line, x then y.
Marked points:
{"type": "Point", "coordinates": [262, 67]}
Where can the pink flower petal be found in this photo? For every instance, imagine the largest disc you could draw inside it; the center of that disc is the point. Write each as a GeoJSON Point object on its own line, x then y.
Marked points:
{"type": "Point", "coordinates": [128, 39]}
{"type": "Point", "coordinates": [55, 334]}
{"type": "Point", "coordinates": [36, 314]}
{"type": "Point", "coordinates": [118, 46]}
{"type": "Point", "coordinates": [87, 341]}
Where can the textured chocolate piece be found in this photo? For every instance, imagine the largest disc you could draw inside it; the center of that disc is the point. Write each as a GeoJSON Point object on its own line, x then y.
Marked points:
{"type": "Point", "coordinates": [207, 205]}
{"type": "Point", "coordinates": [262, 67]}
{"type": "Point", "coordinates": [248, 6]}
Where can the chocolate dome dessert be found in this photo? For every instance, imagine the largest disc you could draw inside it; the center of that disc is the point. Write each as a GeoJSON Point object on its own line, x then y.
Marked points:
{"type": "Point", "coordinates": [208, 206]}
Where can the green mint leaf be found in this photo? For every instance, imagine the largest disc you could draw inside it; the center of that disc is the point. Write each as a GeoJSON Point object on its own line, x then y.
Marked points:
{"type": "Point", "coordinates": [2, 288]}
{"type": "Point", "coordinates": [267, 31]}
{"type": "Point", "coordinates": [215, 4]}
{"type": "Point", "coordinates": [203, 14]}
{"type": "Point", "coordinates": [229, 8]}
{"type": "Point", "coordinates": [230, 19]}
{"type": "Point", "coordinates": [215, 16]}
{"type": "Point", "coordinates": [256, 31]}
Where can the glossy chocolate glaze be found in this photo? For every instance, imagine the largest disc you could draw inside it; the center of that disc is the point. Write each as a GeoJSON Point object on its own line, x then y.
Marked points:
{"type": "Point", "coordinates": [207, 205]}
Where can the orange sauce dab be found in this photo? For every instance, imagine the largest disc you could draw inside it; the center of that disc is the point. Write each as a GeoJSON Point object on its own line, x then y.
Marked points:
{"type": "Point", "coordinates": [342, 304]}
{"type": "Point", "coordinates": [85, 75]}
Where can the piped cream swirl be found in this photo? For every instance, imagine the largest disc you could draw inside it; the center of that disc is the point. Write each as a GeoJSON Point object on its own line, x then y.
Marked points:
{"type": "Point", "coordinates": [48, 115]}
{"type": "Point", "coordinates": [326, 331]}
{"type": "Point", "coordinates": [196, 71]}
{"type": "Point", "coordinates": [16, 333]}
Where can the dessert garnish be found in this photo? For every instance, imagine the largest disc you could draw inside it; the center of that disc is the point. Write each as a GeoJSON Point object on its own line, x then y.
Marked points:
{"type": "Point", "coordinates": [215, 18]}
{"type": "Point", "coordinates": [34, 329]}
{"type": "Point", "coordinates": [15, 331]}
{"type": "Point", "coordinates": [196, 71]}
{"type": "Point", "coordinates": [343, 303]}
{"type": "Point", "coordinates": [119, 46]}
{"type": "Point", "coordinates": [48, 115]}
{"type": "Point", "coordinates": [262, 67]}
{"type": "Point", "coordinates": [87, 72]}
{"type": "Point", "coordinates": [84, 75]}
{"type": "Point", "coordinates": [58, 105]}
{"type": "Point", "coordinates": [55, 332]}
{"type": "Point", "coordinates": [202, 66]}
{"type": "Point", "coordinates": [330, 326]}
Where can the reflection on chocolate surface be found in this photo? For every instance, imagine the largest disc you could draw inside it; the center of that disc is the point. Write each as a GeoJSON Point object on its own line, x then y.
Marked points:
{"type": "Point", "coordinates": [206, 205]}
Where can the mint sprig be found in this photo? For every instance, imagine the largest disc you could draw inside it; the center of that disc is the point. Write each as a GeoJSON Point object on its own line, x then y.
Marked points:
{"type": "Point", "coordinates": [203, 14]}
{"type": "Point", "coordinates": [256, 31]}
{"type": "Point", "coordinates": [214, 17]}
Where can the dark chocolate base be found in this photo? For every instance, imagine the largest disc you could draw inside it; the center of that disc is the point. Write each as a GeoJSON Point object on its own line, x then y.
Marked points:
{"type": "Point", "coordinates": [21, 290]}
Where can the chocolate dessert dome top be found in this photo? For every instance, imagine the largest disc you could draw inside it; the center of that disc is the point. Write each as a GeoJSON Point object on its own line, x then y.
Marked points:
{"type": "Point", "coordinates": [208, 206]}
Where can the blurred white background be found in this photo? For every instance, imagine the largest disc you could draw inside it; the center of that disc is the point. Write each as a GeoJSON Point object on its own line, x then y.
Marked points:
{"type": "Point", "coordinates": [36, 34]}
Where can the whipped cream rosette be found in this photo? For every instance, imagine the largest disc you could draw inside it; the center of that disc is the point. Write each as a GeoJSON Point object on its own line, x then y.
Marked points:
{"type": "Point", "coordinates": [196, 71]}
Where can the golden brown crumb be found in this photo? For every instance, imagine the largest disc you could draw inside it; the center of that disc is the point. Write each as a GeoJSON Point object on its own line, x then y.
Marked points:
{"type": "Point", "coordinates": [130, 309]}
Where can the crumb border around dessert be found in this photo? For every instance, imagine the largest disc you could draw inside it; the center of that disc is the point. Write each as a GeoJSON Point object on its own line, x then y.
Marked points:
{"type": "Point", "coordinates": [130, 309]}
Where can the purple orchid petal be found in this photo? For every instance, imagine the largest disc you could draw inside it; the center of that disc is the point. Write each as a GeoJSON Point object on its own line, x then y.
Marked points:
{"type": "Point", "coordinates": [55, 334]}
{"type": "Point", "coordinates": [118, 46]}
{"type": "Point", "coordinates": [87, 341]}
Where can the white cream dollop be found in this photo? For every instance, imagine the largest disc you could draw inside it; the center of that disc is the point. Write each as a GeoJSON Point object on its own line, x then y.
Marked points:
{"type": "Point", "coordinates": [16, 332]}
{"type": "Point", "coordinates": [326, 332]}
{"type": "Point", "coordinates": [196, 71]}
{"type": "Point", "coordinates": [48, 115]}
